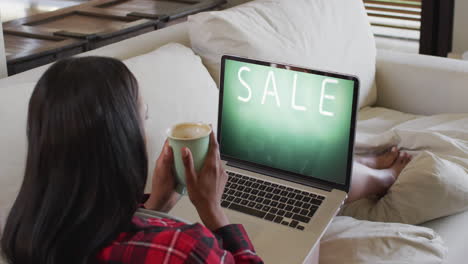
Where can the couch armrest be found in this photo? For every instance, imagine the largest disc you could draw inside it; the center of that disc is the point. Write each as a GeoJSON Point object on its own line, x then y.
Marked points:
{"type": "Point", "coordinates": [419, 84]}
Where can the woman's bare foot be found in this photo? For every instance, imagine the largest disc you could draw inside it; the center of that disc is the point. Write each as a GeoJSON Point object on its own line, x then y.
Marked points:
{"type": "Point", "coordinates": [399, 164]}
{"type": "Point", "coordinates": [368, 182]}
{"type": "Point", "coordinates": [386, 178]}
{"type": "Point", "coordinates": [381, 161]}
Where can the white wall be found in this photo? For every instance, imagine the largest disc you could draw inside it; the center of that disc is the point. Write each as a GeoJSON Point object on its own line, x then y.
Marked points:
{"type": "Point", "coordinates": [3, 67]}
{"type": "Point", "coordinates": [460, 28]}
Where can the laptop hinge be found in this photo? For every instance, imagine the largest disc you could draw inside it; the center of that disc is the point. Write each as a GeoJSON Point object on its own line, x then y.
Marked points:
{"type": "Point", "coordinates": [278, 175]}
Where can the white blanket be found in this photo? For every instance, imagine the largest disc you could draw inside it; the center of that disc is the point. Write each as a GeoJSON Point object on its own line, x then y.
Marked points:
{"type": "Point", "coordinates": [445, 134]}
{"type": "Point", "coordinates": [434, 184]}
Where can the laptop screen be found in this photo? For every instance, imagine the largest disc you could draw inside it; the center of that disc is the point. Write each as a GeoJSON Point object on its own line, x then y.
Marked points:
{"type": "Point", "coordinates": [288, 118]}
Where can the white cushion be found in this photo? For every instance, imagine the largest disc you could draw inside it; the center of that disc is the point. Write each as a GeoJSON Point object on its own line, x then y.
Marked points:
{"type": "Point", "coordinates": [348, 240]}
{"type": "Point", "coordinates": [14, 101]}
{"type": "Point", "coordinates": [177, 88]}
{"type": "Point", "coordinates": [332, 35]}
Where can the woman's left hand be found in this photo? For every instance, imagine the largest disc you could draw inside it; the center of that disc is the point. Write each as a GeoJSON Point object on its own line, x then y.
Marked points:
{"type": "Point", "coordinates": [163, 196]}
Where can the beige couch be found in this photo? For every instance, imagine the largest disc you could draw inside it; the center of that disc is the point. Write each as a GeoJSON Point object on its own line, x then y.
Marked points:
{"type": "Point", "coordinates": [408, 83]}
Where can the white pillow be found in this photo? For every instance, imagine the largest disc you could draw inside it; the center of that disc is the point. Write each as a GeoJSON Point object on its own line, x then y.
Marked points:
{"type": "Point", "coordinates": [332, 35]}
{"type": "Point", "coordinates": [348, 240]}
{"type": "Point", "coordinates": [431, 186]}
{"type": "Point", "coordinates": [14, 101]}
{"type": "Point", "coordinates": [177, 88]}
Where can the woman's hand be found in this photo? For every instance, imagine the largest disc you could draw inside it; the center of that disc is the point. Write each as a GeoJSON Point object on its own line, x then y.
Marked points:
{"type": "Point", "coordinates": [206, 187]}
{"type": "Point", "coordinates": [163, 196]}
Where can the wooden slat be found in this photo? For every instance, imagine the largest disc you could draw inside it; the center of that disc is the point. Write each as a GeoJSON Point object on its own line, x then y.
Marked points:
{"type": "Point", "coordinates": [21, 45]}
{"type": "Point", "coordinates": [394, 17]}
{"type": "Point", "coordinates": [393, 10]}
{"type": "Point", "coordinates": [394, 26]}
{"type": "Point", "coordinates": [154, 7]}
{"type": "Point", "coordinates": [105, 13]}
{"type": "Point", "coordinates": [201, 6]}
{"type": "Point", "coordinates": [26, 31]}
{"type": "Point", "coordinates": [412, 4]}
{"type": "Point", "coordinates": [42, 16]}
{"type": "Point", "coordinates": [163, 9]}
{"type": "Point", "coordinates": [397, 12]}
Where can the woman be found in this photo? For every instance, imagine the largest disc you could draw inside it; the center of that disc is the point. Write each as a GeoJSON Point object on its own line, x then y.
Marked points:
{"type": "Point", "coordinates": [85, 175]}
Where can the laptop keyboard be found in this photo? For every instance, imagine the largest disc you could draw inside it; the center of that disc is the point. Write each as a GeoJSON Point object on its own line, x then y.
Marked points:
{"type": "Point", "coordinates": [269, 201]}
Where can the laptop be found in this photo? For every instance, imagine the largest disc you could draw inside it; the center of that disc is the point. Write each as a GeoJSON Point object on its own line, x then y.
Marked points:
{"type": "Point", "coordinates": [286, 137]}
{"type": "Point", "coordinates": [286, 134]}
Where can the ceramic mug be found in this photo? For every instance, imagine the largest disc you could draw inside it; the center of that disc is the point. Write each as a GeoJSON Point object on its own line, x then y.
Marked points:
{"type": "Point", "coordinates": [194, 136]}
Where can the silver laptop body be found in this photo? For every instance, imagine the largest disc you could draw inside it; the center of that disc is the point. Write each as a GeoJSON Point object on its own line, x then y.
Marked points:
{"type": "Point", "coordinates": [286, 136]}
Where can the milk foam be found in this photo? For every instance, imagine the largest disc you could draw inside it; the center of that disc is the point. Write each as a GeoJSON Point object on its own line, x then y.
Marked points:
{"type": "Point", "coordinates": [190, 131]}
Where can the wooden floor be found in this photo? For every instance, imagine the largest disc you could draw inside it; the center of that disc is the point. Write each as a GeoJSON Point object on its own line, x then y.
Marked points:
{"type": "Point", "coordinates": [13, 9]}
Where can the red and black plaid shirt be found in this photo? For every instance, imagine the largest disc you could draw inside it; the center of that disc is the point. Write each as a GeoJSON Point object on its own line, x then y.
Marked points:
{"type": "Point", "coordinates": [161, 240]}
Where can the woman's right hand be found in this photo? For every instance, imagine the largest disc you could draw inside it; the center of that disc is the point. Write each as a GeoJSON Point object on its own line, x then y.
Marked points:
{"type": "Point", "coordinates": [206, 187]}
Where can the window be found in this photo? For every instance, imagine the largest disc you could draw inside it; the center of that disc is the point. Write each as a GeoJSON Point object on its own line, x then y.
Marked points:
{"type": "Point", "coordinates": [423, 26]}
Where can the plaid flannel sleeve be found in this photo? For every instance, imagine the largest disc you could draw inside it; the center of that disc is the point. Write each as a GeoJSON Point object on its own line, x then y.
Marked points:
{"type": "Point", "coordinates": [234, 239]}
{"type": "Point", "coordinates": [229, 245]}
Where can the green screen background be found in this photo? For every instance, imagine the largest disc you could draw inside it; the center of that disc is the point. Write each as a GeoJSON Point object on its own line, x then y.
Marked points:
{"type": "Point", "coordinates": [304, 142]}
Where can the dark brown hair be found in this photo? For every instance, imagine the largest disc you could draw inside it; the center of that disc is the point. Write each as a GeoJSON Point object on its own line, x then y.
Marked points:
{"type": "Point", "coordinates": [86, 166]}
